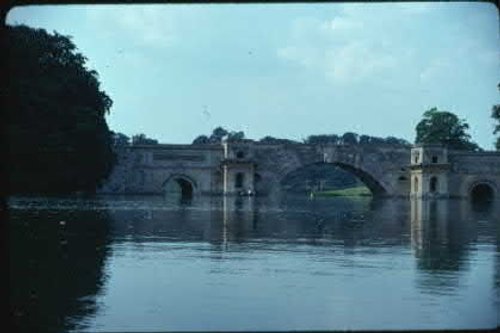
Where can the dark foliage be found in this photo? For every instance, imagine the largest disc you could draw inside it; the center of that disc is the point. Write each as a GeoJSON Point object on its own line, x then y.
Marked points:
{"type": "Point", "coordinates": [323, 139]}
{"type": "Point", "coordinates": [495, 114]}
{"type": "Point", "coordinates": [120, 139]}
{"type": "Point", "coordinates": [142, 139]}
{"type": "Point", "coordinates": [56, 129]}
{"type": "Point", "coordinates": [56, 269]}
{"type": "Point", "coordinates": [275, 141]}
{"type": "Point", "coordinates": [350, 138]}
{"type": "Point", "coordinates": [218, 135]}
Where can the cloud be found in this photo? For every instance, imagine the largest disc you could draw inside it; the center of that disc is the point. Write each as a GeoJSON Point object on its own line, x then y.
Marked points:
{"type": "Point", "coordinates": [146, 25]}
{"type": "Point", "coordinates": [362, 41]}
{"type": "Point", "coordinates": [343, 47]}
{"type": "Point", "coordinates": [438, 69]}
{"type": "Point", "coordinates": [357, 61]}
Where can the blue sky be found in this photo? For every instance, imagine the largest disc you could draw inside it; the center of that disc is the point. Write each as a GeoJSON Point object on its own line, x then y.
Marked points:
{"type": "Point", "coordinates": [286, 70]}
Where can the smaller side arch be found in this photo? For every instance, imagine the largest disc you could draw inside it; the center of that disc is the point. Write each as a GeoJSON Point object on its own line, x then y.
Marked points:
{"type": "Point", "coordinates": [187, 185]}
{"type": "Point", "coordinates": [483, 190]}
{"type": "Point", "coordinates": [182, 176]}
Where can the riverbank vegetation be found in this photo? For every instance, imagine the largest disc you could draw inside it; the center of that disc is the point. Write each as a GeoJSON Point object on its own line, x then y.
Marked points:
{"type": "Point", "coordinates": [357, 191]}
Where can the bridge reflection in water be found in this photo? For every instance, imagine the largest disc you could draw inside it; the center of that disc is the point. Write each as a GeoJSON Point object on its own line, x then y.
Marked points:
{"type": "Point", "coordinates": [443, 255]}
{"type": "Point", "coordinates": [445, 234]}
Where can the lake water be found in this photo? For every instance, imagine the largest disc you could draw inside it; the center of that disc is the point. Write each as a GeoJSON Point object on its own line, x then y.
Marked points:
{"type": "Point", "coordinates": [288, 263]}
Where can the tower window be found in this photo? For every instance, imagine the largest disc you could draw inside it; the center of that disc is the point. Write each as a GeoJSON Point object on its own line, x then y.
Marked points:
{"type": "Point", "coordinates": [240, 154]}
{"type": "Point", "coordinates": [434, 159]}
{"type": "Point", "coordinates": [240, 177]}
{"type": "Point", "coordinates": [433, 184]}
{"type": "Point", "coordinates": [416, 157]}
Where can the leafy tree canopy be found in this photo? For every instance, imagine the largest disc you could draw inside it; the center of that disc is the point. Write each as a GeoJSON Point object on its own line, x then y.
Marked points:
{"type": "Point", "coordinates": [351, 138]}
{"type": "Point", "coordinates": [120, 139]}
{"type": "Point", "coordinates": [201, 140]}
{"type": "Point", "coordinates": [142, 139]}
{"type": "Point", "coordinates": [219, 134]}
{"type": "Point", "coordinates": [443, 127]}
{"type": "Point", "coordinates": [495, 114]}
{"type": "Point", "coordinates": [273, 140]}
{"type": "Point", "coordinates": [323, 139]}
{"type": "Point", "coordinates": [56, 128]}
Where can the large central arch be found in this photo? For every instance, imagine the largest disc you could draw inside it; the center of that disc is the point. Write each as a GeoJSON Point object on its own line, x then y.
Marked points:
{"type": "Point", "coordinates": [373, 184]}
{"type": "Point", "coordinates": [365, 177]}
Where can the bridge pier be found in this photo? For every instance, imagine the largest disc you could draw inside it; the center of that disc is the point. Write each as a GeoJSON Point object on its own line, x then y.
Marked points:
{"type": "Point", "coordinates": [429, 172]}
{"type": "Point", "coordinates": [238, 171]}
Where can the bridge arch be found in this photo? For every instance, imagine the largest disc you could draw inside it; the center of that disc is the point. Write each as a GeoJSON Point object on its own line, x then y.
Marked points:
{"type": "Point", "coordinates": [482, 190]}
{"type": "Point", "coordinates": [375, 186]}
{"type": "Point", "coordinates": [186, 185]}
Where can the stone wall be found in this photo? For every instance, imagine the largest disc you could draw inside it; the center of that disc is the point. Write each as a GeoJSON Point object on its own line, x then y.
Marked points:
{"type": "Point", "coordinates": [471, 168]}
{"type": "Point", "coordinates": [146, 169]}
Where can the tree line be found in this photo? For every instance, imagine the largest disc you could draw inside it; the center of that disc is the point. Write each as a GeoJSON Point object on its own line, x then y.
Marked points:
{"type": "Point", "coordinates": [120, 139]}
{"type": "Point", "coordinates": [57, 134]}
{"type": "Point", "coordinates": [349, 138]}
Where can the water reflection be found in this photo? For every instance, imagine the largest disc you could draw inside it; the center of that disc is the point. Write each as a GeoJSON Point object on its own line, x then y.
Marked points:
{"type": "Point", "coordinates": [444, 234]}
{"type": "Point", "coordinates": [212, 252]}
{"type": "Point", "coordinates": [56, 260]}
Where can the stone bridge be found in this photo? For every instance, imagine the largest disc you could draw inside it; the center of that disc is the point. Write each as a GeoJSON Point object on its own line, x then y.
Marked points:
{"type": "Point", "coordinates": [250, 167]}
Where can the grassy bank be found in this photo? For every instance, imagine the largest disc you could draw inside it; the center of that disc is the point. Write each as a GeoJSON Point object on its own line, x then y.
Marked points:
{"type": "Point", "coordinates": [359, 191]}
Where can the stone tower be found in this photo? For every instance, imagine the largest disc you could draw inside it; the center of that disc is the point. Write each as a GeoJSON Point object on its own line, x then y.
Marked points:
{"type": "Point", "coordinates": [238, 168]}
{"type": "Point", "coordinates": [429, 171]}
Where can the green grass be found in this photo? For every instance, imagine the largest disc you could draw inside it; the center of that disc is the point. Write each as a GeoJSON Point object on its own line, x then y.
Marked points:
{"type": "Point", "coordinates": [359, 191]}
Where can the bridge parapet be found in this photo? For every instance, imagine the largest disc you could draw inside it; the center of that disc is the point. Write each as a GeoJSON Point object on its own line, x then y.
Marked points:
{"type": "Point", "coordinates": [422, 171]}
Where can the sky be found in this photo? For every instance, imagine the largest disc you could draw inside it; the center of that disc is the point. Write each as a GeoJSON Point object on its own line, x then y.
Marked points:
{"type": "Point", "coordinates": [286, 70]}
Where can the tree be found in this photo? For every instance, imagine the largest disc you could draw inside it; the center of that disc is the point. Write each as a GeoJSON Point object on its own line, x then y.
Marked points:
{"type": "Point", "coordinates": [235, 136]}
{"type": "Point", "coordinates": [396, 141]}
{"type": "Point", "coordinates": [375, 140]}
{"type": "Point", "coordinates": [443, 127]}
{"type": "Point", "coordinates": [217, 134]}
{"type": "Point", "coordinates": [272, 140]}
{"type": "Point", "coordinates": [120, 139]}
{"type": "Point", "coordinates": [495, 114]}
{"type": "Point", "coordinates": [350, 138]}
{"type": "Point", "coordinates": [201, 139]}
{"type": "Point", "coordinates": [322, 139]}
{"type": "Point", "coordinates": [56, 128]}
{"type": "Point", "coordinates": [364, 139]}
{"type": "Point", "coordinates": [142, 139]}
